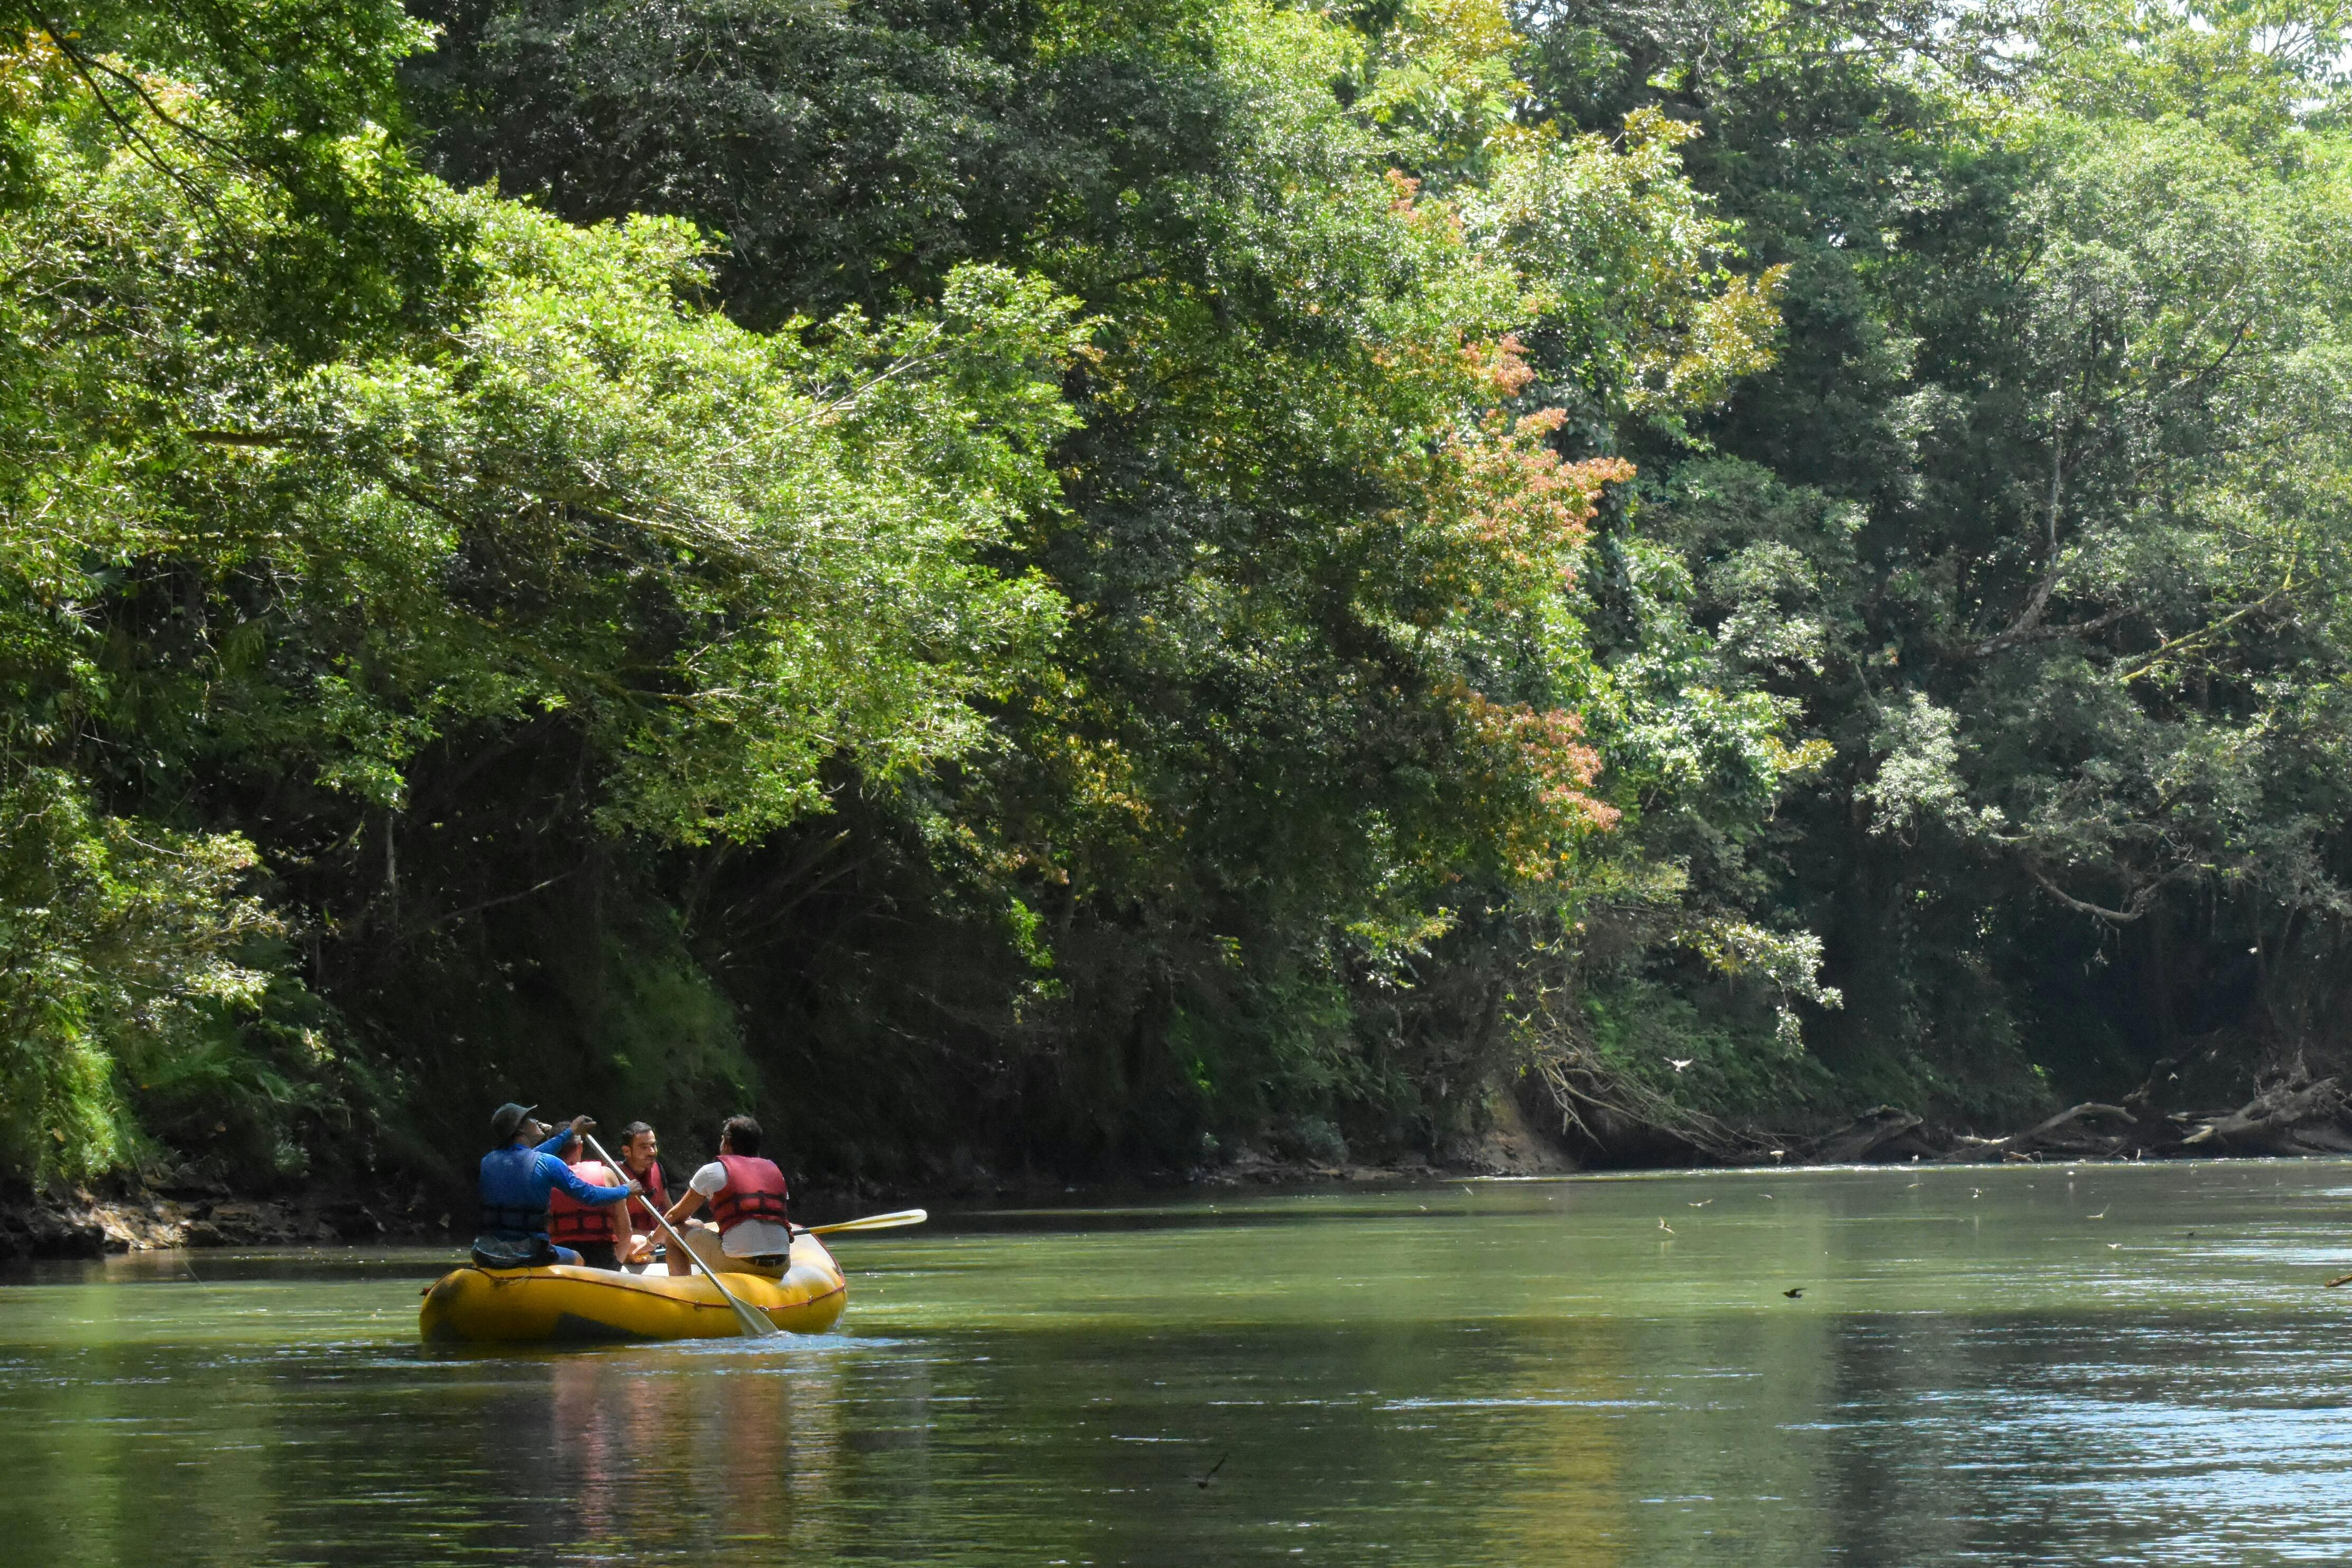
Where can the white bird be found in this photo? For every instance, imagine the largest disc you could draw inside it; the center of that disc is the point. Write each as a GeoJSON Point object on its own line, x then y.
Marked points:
{"type": "Point", "coordinates": [1702, 1203]}
{"type": "Point", "coordinates": [1665, 1227]}
{"type": "Point", "coordinates": [2101, 1215]}
{"type": "Point", "coordinates": [1679, 1063]}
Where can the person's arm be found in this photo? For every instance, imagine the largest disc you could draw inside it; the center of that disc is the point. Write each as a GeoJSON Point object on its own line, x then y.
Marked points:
{"type": "Point", "coordinates": [565, 1176]}
{"type": "Point", "coordinates": [616, 1219]}
{"type": "Point", "coordinates": [704, 1184]}
{"type": "Point", "coordinates": [565, 1134]}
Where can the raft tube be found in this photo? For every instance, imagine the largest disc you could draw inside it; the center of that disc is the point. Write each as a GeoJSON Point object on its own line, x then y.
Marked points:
{"type": "Point", "coordinates": [566, 1303]}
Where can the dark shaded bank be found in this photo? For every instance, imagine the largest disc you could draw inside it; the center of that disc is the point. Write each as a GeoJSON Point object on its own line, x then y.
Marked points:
{"type": "Point", "coordinates": [184, 1209]}
{"type": "Point", "coordinates": [2295, 1115]}
{"type": "Point", "coordinates": [2197, 1105]}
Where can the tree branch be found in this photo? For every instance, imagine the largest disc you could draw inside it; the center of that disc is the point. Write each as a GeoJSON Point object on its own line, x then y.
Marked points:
{"type": "Point", "coordinates": [2156, 656]}
{"type": "Point", "coordinates": [490, 903]}
{"type": "Point", "coordinates": [87, 68]}
{"type": "Point", "coordinates": [2028, 619]}
{"type": "Point", "coordinates": [2016, 635]}
{"type": "Point", "coordinates": [2139, 901]}
{"type": "Point", "coordinates": [266, 438]}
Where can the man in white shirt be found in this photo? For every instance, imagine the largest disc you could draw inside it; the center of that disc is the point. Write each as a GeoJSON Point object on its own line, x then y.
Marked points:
{"type": "Point", "coordinates": [748, 1197]}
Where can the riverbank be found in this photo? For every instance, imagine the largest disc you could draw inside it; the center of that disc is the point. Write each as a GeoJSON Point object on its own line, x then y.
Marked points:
{"type": "Point", "coordinates": [2296, 1114]}
{"type": "Point", "coordinates": [128, 1215]}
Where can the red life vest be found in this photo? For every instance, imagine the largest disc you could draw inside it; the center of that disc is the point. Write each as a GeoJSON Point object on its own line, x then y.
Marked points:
{"type": "Point", "coordinates": [754, 1190]}
{"type": "Point", "coordinates": [570, 1222]}
{"type": "Point", "coordinates": [656, 1195]}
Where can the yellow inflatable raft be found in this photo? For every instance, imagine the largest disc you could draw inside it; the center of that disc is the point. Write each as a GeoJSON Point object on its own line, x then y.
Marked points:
{"type": "Point", "coordinates": [565, 1303]}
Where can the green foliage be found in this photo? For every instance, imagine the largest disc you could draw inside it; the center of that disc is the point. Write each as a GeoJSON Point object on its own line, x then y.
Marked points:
{"type": "Point", "coordinates": [723, 557]}
{"type": "Point", "coordinates": [564, 494]}
{"type": "Point", "coordinates": [2036, 524]}
{"type": "Point", "coordinates": [122, 944]}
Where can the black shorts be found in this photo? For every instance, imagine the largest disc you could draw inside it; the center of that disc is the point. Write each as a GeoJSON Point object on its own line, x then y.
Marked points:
{"type": "Point", "coordinates": [513, 1252]}
{"type": "Point", "coordinates": [598, 1255]}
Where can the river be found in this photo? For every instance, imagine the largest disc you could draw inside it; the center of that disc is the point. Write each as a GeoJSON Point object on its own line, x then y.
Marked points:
{"type": "Point", "coordinates": [2109, 1364]}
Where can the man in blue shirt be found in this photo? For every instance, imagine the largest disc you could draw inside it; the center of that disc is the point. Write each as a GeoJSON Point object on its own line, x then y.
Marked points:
{"type": "Point", "coordinates": [517, 1177]}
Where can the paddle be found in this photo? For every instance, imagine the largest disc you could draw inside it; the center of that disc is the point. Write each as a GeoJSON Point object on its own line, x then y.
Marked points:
{"type": "Point", "coordinates": [754, 1324]}
{"type": "Point", "coordinates": [2339, 1280]}
{"type": "Point", "coordinates": [871, 1222]}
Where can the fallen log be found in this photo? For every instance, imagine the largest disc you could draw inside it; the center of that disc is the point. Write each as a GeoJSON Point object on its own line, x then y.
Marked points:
{"type": "Point", "coordinates": [2286, 1119]}
{"type": "Point", "coordinates": [2052, 1136]}
{"type": "Point", "coordinates": [1867, 1134]}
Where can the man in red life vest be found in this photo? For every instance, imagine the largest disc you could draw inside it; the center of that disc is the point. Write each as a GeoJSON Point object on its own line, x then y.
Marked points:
{"type": "Point", "coordinates": [746, 1197]}
{"type": "Point", "coordinates": [594, 1231]}
{"type": "Point", "coordinates": [640, 1154]}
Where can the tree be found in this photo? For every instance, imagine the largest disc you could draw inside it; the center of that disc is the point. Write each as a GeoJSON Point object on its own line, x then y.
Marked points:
{"type": "Point", "coordinates": [2033, 516]}
{"type": "Point", "coordinates": [259, 556]}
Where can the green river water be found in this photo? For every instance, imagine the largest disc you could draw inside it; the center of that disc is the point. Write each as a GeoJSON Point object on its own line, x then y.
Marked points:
{"type": "Point", "coordinates": [2128, 1364]}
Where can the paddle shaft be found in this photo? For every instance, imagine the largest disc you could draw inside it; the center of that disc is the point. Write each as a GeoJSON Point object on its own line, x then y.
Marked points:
{"type": "Point", "coordinates": [753, 1324]}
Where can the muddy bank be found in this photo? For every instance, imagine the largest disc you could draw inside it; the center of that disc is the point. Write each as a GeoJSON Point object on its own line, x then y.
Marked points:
{"type": "Point", "coordinates": [129, 1216]}
{"type": "Point", "coordinates": [1511, 1148]}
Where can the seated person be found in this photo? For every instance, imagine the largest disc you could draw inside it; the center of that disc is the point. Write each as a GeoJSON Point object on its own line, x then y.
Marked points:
{"type": "Point", "coordinates": [640, 1153]}
{"type": "Point", "coordinates": [747, 1198]}
{"type": "Point", "coordinates": [593, 1230]}
{"type": "Point", "coordinates": [516, 1179]}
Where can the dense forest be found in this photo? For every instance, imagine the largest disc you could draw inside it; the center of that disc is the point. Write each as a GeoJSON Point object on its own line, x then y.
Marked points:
{"type": "Point", "coordinates": [1082, 586]}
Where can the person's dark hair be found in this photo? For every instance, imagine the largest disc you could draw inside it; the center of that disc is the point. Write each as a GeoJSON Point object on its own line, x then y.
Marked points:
{"type": "Point", "coordinates": [741, 1133]}
{"type": "Point", "coordinates": [630, 1131]}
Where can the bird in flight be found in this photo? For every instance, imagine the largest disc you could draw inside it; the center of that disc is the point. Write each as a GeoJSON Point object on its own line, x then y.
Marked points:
{"type": "Point", "coordinates": [1202, 1481]}
{"type": "Point", "coordinates": [1665, 1227]}
{"type": "Point", "coordinates": [1793, 1295]}
{"type": "Point", "coordinates": [1679, 1063]}
{"type": "Point", "coordinates": [1702, 1203]}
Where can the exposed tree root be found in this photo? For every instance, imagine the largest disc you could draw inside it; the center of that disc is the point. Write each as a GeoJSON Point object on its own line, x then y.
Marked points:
{"type": "Point", "coordinates": [1607, 1118]}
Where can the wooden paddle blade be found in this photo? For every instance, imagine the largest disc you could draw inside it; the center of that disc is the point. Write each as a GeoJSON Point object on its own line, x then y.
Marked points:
{"type": "Point", "coordinates": [872, 1222]}
{"type": "Point", "coordinates": [750, 1319]}
{"type": "Point", "coordinates": [2339, 1280]}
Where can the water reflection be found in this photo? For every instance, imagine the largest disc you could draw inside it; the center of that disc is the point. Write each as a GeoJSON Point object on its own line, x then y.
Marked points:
{"type": "Point", "coordinates": [2004, 1366]}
